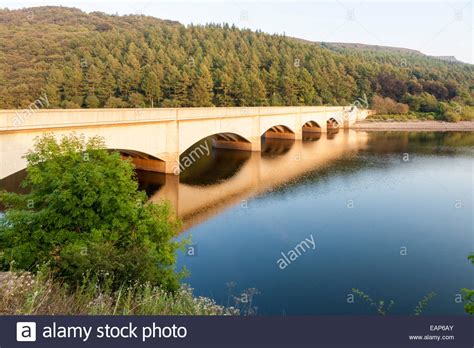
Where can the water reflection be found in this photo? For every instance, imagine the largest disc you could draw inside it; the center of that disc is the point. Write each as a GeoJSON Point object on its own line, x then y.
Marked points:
{"type": "Point", "coordinates": [420, 142]}
{"type": "Point", "coordinates": [311, 136]}
{"type": "Point", "coordinates": [218, 166]}
{"type": "Point", "coordinates": [150, 182]}
{"type": "Point", "coordinates": [229, 177]}
{"type": "Point", "coordinates": [276, 147]}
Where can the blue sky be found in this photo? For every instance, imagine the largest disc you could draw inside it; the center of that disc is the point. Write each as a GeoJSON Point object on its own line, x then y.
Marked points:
{"type": "Point", "coordinates": [432, 27]}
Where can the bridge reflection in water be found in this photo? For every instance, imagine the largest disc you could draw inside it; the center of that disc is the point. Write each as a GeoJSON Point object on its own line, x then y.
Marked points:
{"type": "Point", "coordinates": [228, 177]}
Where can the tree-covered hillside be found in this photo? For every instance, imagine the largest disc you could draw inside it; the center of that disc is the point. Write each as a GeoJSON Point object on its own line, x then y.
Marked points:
{"type": "Point", "coordinates": [98, 60]}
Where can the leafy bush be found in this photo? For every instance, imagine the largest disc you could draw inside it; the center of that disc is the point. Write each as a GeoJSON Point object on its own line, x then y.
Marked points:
{"type": "Point", "coordinates": [423, 102]}
{"type": "Point", "coordinates": [84, 215]}
{"type": "Point", "coordinates": [469, 294]}
{"type": "Point", "coordinates": [467, 113]}
{"type": "Point", "coordinates": [388, 106]}
{"type": "Point", "coordinates": [454, 112]}
{"type": "Point", "coordinates": [451, 116]}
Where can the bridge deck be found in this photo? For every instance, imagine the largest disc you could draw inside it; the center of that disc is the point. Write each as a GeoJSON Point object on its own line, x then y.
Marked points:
{"type": "Point", "coordinates": [16, 120]}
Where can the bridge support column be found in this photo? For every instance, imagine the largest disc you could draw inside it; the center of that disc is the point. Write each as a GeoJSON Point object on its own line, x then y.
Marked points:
{"type": "Point", "coordinates": [346, 120]}
{"type": "Point", "coordinates": [324, 127]}
{"type": "Point", "coordinates": [170, 163]}
{"type": "Point", "coordinates": [256, 143]}
{"type": "Point", "coordinates": [299, 133]}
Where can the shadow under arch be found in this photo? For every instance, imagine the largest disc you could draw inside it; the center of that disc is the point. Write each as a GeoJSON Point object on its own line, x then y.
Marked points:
{"type": "Point", "coordinates": [276, 141]}
{"type": "Point", "coordinates": [311, 131]}
{"type": "Point", "coordinates": [142, 160]}
{"type": "Point", "coordinates": [149, 169]}
{"type": "Point", "coordinates": [12, 183]}
{"type": "Point", "coordinates": [332, 125]}
{"type": "Point", "coordinates": [213, 159]}
{"type": "Point", "coordinates": [150, 182]}
{"type": "Point", "coordinates": [279, 132]}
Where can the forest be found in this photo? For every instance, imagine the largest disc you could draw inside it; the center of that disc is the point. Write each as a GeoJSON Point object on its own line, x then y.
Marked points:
{"type": "Point", "coordinates": [96, 60]}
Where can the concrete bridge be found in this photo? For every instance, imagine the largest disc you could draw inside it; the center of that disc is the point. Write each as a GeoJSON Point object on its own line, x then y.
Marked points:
{"type": "Point", "coordinates": [156, 137]}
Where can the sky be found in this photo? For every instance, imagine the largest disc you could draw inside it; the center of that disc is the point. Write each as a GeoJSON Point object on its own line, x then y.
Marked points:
{"type": "Point", "coordinates": [441, 28]}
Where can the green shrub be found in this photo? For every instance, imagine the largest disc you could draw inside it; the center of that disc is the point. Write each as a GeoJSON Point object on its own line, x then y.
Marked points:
{"type": "Point", "coordinates": [423, 102]}
{"type": "Point", "coordinates": [452, 116]}
{"type": "Point", "coordinates": [469, 294]}
{"type": "Point", "coordinates": [85, 215]}
{"type": "Point", "coordinates": [453, 112]}
{"type": "Point", "coordinates": [467, 113]}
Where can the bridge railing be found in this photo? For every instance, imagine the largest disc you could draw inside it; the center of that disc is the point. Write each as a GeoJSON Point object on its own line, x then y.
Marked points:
{"type": "Point", "coordinates": [59, 118]}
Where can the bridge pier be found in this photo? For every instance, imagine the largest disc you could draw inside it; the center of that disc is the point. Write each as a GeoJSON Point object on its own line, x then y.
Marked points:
{"type": "Point", "coordinates": [299, 134]}
{"type": "Point", "coordinates": [345, 123]}
{"type": "Point", "coordinates": [169, 163]}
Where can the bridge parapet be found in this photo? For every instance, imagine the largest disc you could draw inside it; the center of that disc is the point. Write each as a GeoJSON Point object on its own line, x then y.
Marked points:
{"type": "Point", "coordinates": [56, 118]}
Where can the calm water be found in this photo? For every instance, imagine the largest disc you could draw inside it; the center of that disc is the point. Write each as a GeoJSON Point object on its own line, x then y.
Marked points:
{"type": "Point", "coordinates": [391, 214]}
{"type": "Point", "coordinates": [402, 239]}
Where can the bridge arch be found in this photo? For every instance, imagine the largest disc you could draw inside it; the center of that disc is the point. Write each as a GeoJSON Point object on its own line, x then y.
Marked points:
{"type": "Point", "coordinates": [205, 173]}
{"type": "Point", "coordinates": [202, 148]}
{"type": "Point", "coordinates": [142, 160]}
{"type": "Point", "coordinates": [223, 140]}
{"type": "Point", "coordinates": [332, 124]}
{"type": "Point", "coordinates": [222, 131]}
{"type": "Point", "coordinates": [279, 132]}
{"type": "Point", "coordinates": [312, 127]}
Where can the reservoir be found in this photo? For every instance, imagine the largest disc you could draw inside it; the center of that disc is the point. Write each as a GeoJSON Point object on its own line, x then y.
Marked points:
{"type": "Point", "coordinates": [385, 214]}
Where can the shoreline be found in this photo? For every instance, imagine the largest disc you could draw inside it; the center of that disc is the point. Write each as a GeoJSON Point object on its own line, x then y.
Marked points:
{"type": "Point", "coordinates": [425, 126]}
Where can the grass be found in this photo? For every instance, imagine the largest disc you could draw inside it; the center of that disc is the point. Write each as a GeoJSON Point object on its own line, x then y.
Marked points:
{"type": "Point", "coordinates": [23, 293]}
{"type": "Point", "coordinates": [382, 308]}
